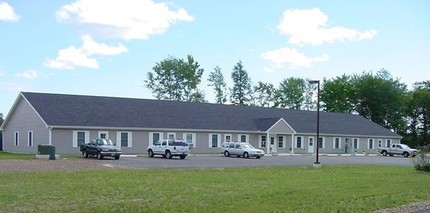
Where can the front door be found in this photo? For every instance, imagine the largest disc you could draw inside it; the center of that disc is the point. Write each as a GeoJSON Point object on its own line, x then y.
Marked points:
{"type": "Point", "coordinates": [311, 145]}
{"type": "Point", "coordinates": [273, 144]}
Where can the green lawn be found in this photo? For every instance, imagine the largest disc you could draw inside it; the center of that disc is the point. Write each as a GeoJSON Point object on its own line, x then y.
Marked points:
{"type": "Point", "coordinates": [265, 189]}
{"type": "Point", "coordinates": [14, 156]}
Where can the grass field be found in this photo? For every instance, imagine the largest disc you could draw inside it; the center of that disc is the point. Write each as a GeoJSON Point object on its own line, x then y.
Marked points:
{"type": "Point", "coordinates": [265, 189]}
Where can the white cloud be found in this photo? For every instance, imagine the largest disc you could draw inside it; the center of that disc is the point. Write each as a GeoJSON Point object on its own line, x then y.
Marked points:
{"type": "Point", "coordinates": [72, 57]}
{"type": "Point", "coordinates": [310, 27]}
{"type": "Point", "coordinates": [30, 74]}
{"type": "Point", "coordinates": [1, 73]}
{"type": "Point", "coordinates": [7, 12]}
{"type": "Point", "coordinates": [292, 57]}
{"type": "Point", "coordinates": [127, 19]}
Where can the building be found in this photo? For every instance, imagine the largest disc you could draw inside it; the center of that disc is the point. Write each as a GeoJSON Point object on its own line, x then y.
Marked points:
{"type": "Point", "coordinates": [65, 121]}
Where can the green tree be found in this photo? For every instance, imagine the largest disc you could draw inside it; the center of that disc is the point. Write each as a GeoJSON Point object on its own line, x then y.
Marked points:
{"type": "Point", "coordinates": [419, 115]}
{"type": "Point", "coordinates": [337, 95]}
{"type": "Point", "coordinates": [264, 94]}
{"type": "Point", "coordinates": [290, 93]}
{"type": "Point", "coordinates": [381, 99]}
{"type": "Point", "coordinates": [176, 79]}
{"type": "Point", "coordinates": [216, 80]}
{"type": "Point", "coordinates": [241, 93]}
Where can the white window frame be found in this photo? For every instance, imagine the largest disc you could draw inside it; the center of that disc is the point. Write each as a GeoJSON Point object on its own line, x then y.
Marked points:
{"type": "Point", "coordinates": [388, 143]}
{"type": "Point", "coordinates": [16, 138]}
{"type": "Point", "coordinates": [225, 137]}
{"type": "Point", "coordinates": [239, 137]}
{"type": "Point", "coordinates": [171, 133]}
{"type": "Point", "coordinates": [368, 143]}
{"type": "Point", "coordinates": [322, 143]}
{"type": "Point", "coordinates": [358, 143]}
{"type": "Point", "coordinates": [104, 132]}
{"type": "Point", "coordinates": [301, 142]}
{"type": "Point", "coordinates": [75, 137]}
{"type": "Point", "coordinates": [260, 141]}
{"type": "Point", "coordinates": [30, 138]}
{"type": "Point", "coordinates": [193, 138]}
{"type": "Point", "coordinates": [334, 143]}
{"type": "Point", "coordinates": [151, 137]}
{"type": "Point", "coordinates": [129, 138]}
{"type": "Point", "coordinates": [210, 140]}
{"type": "Point", "coordinates": [284, 138]}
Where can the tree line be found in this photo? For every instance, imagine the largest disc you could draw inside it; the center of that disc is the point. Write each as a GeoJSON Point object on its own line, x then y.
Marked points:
{"type": "Point", "coordinates": [376, 96]}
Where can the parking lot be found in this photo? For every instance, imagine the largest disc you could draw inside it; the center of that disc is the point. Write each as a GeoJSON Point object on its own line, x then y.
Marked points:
{"type": "Point", "coordinates": [221, 161]}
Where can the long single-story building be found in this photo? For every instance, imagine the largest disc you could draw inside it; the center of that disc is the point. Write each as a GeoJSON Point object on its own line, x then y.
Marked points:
{"type": "Point", "coordinates": [66, 121]}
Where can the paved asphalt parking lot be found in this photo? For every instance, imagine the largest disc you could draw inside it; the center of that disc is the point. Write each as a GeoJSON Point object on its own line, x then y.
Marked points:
{"type": "Point", "coordinates": [194, 161]}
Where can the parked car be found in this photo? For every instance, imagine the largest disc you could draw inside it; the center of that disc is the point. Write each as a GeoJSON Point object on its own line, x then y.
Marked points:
{"type": "Point", "coordinates": [169, 148]}
{"type": "Point", "coordinates": [100, 148]}
{"type": "Point", "coordinates": [398, 149]}
{"type": "Point", "coordinates": [239, 149]}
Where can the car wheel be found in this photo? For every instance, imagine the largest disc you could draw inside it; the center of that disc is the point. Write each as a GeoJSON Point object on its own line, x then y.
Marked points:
{"type": "Point", "coordinates": [405, 154]}
{"type": "Point", "coordinates": [246, 155]}
{"type": "Point", "coordinates": [384, 153]}
{"type": "Point", "coordinates": [226, 153]}
{"type": "Point", "coordinates": [258, 157]}
{"type": "Point", "coordinates": [168, 155]}
{"type": "Point", "coordinates": [150, 153]}
{"type": "Point", "coordinates": [99, 156]}
{"type": "Point", "coordinates": [84, 154]}
{"type": "Point", "coordinates": [116, 157]}
{"type": "Point", "coordinates": [182, 156]}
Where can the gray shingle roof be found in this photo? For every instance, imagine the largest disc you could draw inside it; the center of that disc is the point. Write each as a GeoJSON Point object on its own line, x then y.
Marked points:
{"type": "Point", "coordinates": [88, 111]}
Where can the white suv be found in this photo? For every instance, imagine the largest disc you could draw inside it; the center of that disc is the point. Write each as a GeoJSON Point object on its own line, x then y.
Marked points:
{"type": "Point", "coordinates": [169, 148]}
{"type": "Point", "coordinates": [241, 149]}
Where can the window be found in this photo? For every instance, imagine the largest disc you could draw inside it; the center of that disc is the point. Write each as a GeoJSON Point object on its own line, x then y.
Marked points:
{"type": "Point", "coordinates": [242, 138]}
{"type": "Point", "coordinates": [30, 138]}
{"type": "Point", "coordinates": [370, 143]}
{"type": "Point", "coordinates": [299, 142]}
{"type": "Point", "coordinates": [171, 135]}
{"type": "Point", "coordinates": [154, 137]}
{"type": "Point", "coordinates": [336, 143]}
{"type": "Point", "coordinates": [263, 141]}
{"type": "Point", "coordinates": [321, 143]}
{"type": "Point", "coordinates": [355, 143]}
{"type": "Point", "coordinates": [190, 138]}
{"type": "Point", "coordinates": [104, 135]}
{"type": "Point", "coordinates": [281, 141]}
{"type": "Point", "coordinates": [80, 137]}
{"type": "Point", "coordinates": [388, 143]}
{"type": "Point", "coordinates": [124, 139]}
{"type": "Point", "coordinates": [379, 142]}
{"type": "Point", "coordinates": [16, 138]}
{"type": "Point", "coordinates": [214, 140]}
{"type": "Point", "coordinates": [227, 138]}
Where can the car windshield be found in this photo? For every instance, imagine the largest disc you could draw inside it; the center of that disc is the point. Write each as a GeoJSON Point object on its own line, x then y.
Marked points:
{"type": "Point", "coordinates": [106, 142]}
{"type": "Point", "coordinates": [247, 145]}
{"type": "Point", "coordinates": [406, 146]}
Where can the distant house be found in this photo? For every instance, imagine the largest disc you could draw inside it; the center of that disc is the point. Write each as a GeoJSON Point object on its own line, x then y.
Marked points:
{"type": "Point", "coordinates": [65, 121]}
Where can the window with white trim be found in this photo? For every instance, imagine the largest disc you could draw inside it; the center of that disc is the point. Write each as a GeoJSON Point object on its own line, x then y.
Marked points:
{"type": "Point", "coordinates": [80, 137]}
{"type": "Point", "coordinates": [30, 138]}
{"type": "Point", "coordinates": [321, 142]}
{"type": "Point", "coordinates": [243, 138]}
{"type": "Point", "coordinates": [336, 143]}
{"type": "Point", "coordinates": [370, 143]}
{"type": "Point", "coordinates": [388, 143]}
{"type": "Point", "coordinates": [299, 140]}
{"type": "Point", "coordinates": [16, 138]}
{"type": "Point", "coordinates": [104, 134]}
{"type": "Point", "coordinates": [281, 141]}
{"type": "Point", "coordinates": [355, 142]}
{"type": "Point", "coordinates": [379, 142]}
{"type": "Point", "coordinates": [154, 137]}
{"type": "Point", "coordinates": [227, 138]}
{"type": "Point", "coordinates": [190, 138]}
{"type": "Point", "coordinates": [124, 139]}
{"type": "Point", "coordinates": [171, 135]}
{"type": "Point", "coordinates": [214, 140]}
{"type": "Point", "coordinates": [263, 141]}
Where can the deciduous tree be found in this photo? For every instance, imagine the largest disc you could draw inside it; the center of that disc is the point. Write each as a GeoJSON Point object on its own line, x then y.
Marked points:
{"type": "Point", "coordinates": [216, 80]}
{"type": "Point", "coordinates": [241, 93]}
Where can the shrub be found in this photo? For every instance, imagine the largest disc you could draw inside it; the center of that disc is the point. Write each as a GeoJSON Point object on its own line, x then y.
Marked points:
{"type": "Point", "coordinates": [422, 161]}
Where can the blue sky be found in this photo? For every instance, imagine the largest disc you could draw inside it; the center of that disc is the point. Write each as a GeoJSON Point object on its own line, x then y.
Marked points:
{"type": "Point", "coordinates": [101, 47]}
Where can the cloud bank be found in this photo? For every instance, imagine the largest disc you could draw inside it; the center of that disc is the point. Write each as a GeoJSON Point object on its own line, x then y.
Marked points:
{"type": "Point", "coordinates": [7, 12]}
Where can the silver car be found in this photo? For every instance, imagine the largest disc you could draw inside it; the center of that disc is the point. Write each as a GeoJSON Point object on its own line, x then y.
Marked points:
{"type": "Point", "coordinates": [241, 149]}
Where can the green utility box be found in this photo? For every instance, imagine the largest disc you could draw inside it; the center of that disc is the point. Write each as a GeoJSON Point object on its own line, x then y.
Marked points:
{"type": "Point", "coordinates": [46, 149]}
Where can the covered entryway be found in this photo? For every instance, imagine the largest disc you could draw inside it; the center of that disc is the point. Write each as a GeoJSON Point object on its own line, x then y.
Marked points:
{"type": "Point", "coordinates": [275, 128]}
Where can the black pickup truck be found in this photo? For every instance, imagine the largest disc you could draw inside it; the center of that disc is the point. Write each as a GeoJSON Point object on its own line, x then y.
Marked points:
{"type": "Point", "coordinates": [100, 148]}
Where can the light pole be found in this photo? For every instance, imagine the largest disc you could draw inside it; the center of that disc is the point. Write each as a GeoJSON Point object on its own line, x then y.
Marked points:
{"type": "Point", "coordinates": [317, 163]}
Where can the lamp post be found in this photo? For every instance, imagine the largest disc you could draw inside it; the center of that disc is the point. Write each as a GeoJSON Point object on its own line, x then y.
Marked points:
{"type": "Point", "coordinates": [317, 163]}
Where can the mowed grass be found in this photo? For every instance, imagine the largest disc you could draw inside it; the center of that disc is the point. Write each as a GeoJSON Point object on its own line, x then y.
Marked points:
{"type": "Point", "coordinates": [264, 189]}
{"type": "Point", "coordinates": [15, 156]}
